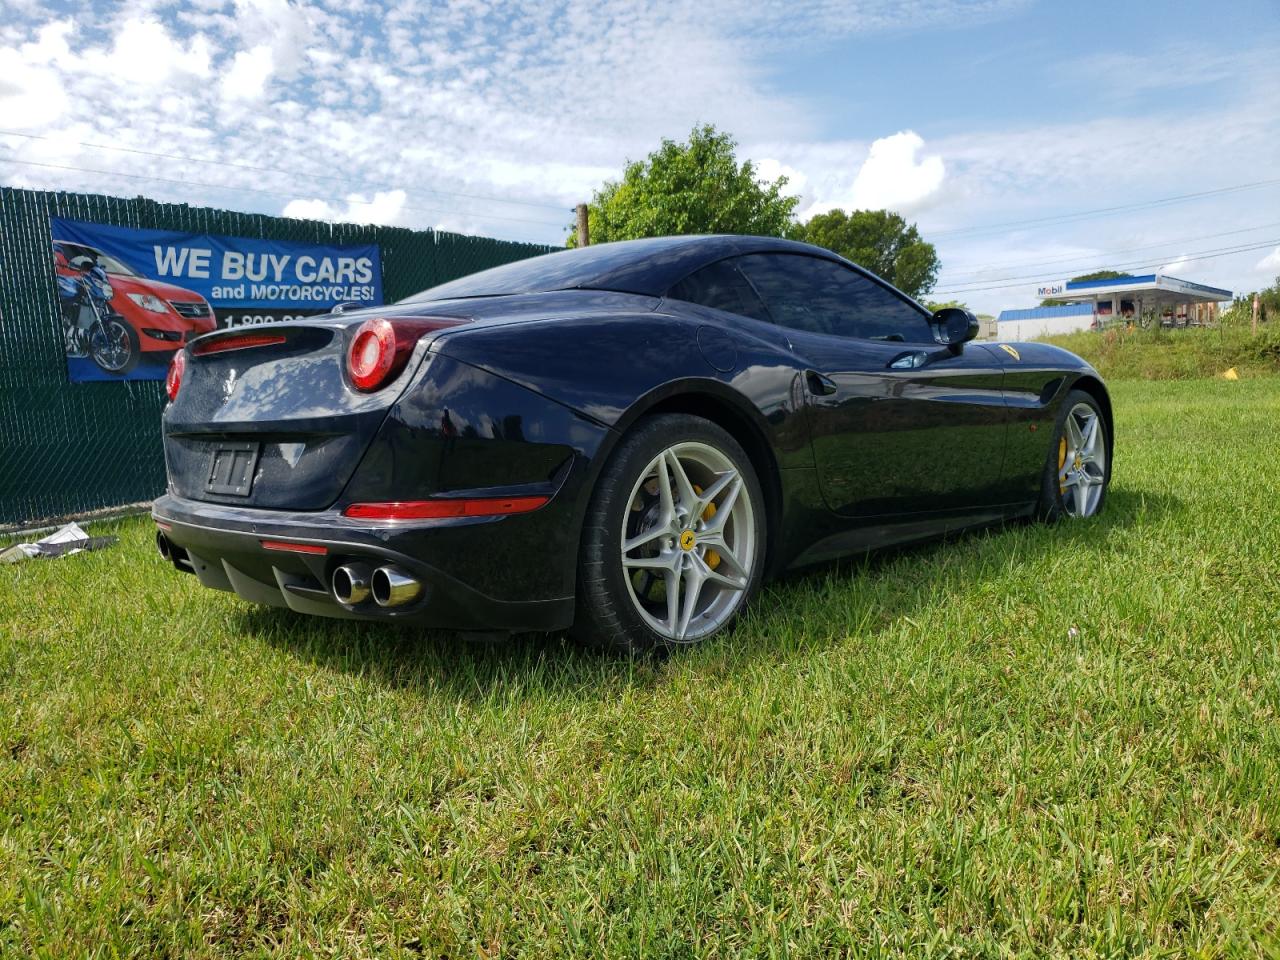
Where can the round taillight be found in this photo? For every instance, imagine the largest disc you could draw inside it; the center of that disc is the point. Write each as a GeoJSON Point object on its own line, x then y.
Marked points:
{"type": "Point", "coordinates": [372, 354]}
{"type": "Point", "coordinates": [173, 380]}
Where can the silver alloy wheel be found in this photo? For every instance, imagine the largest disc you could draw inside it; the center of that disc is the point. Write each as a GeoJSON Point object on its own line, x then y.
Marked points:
{"type": "Point", "coordinates": [1082, 461]}
{"type": "Point", "coordinates": [109, 344]}
{"type": "Point", "coordinates": [688, 541]}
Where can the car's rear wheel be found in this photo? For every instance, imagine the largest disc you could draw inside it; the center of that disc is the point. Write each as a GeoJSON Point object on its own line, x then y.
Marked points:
{"type": "Point", "coordinates": [674, 540]}
{"type": "Point", "coordinates": [1077, 471]}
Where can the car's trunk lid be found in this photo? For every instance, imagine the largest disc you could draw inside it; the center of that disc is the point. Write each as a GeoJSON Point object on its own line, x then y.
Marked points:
{"type": "Point", "coordinates": [281, 426]}
{"type": "Point", "coordinates": [268, 417]}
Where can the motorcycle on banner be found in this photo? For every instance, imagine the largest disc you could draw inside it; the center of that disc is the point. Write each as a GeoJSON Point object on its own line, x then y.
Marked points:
{"type": "Point", "coordinates": [90, 327]}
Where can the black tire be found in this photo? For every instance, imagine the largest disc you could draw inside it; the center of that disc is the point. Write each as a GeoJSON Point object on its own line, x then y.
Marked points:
{"type": "Point", "coordinates": [607, 617]}
{"type": "Point", "coordinates": [116, 328]}
{"type": "Point", "coordinates": [1051, 507]}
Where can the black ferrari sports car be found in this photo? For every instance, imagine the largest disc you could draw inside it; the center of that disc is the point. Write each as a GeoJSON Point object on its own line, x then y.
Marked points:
{"type": "Point", "coordinates": [622, 439]}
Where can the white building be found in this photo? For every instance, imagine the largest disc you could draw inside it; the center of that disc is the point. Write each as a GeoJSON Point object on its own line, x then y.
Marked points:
{"type": "Point", "coordinates": [1036, 322]}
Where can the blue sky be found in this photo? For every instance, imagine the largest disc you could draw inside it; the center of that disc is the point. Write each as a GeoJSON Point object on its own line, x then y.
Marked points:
{"type": "Point", "coordinates": [1066, 61]}
{"type": "Point", "coordinates": [964, 115]}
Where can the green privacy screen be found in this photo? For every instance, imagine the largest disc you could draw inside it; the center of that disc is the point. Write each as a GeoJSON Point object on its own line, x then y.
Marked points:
{"type": "Point", "coordinates": [71, 448]}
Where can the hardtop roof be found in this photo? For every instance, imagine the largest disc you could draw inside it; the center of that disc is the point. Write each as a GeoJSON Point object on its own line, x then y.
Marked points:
{"type": "Point", "coordinates": [649, 267]}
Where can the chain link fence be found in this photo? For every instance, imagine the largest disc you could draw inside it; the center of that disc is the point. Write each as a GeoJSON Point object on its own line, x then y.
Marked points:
{"type": "Point", "coordinates": [70, 449]}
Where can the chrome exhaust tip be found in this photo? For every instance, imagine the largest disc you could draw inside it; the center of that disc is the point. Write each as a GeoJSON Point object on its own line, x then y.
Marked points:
{"type": "Point", "coordinates": [350, 583]}
{"type": "Point", "coordinates": [392, 587]}
{"type": "Point", "coordinates": [162, 544]}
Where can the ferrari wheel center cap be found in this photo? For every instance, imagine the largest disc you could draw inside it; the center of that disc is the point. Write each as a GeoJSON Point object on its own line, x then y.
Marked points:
{"type": "Point", "coordinates": [687, 540]}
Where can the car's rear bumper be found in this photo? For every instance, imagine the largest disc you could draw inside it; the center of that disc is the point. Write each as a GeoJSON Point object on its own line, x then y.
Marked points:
{"type": "Point", "coordinates": [223, 547]}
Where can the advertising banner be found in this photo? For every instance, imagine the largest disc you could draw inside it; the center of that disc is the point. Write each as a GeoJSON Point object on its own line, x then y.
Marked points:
{"type": "Point", "coordinates": [131, 297]}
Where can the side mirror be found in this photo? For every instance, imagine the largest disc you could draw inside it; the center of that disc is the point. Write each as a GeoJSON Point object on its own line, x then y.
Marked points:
{"type": "Point", "coordinates": [953, 326]}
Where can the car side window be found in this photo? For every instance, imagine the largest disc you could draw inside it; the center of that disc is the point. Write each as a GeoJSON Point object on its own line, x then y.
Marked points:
{"type": "Point", "coordinates": [822, 296]}
{"type": "Point", "coordinates": [722, 287]}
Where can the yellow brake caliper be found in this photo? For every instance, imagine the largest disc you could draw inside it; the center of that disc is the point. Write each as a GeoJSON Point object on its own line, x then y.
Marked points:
{"type": "Point", "coordinates": [711, 557]}
{"type": "Point", "coordinates": [1062, 462]}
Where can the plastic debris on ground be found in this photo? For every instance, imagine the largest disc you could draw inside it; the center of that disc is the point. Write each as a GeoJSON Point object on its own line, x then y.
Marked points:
{"type": "Point", "coordinates": [66, 541]}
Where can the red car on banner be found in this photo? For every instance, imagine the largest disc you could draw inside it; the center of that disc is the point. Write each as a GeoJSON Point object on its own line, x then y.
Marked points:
{"type": "Point", "coordinates": [113, 315]}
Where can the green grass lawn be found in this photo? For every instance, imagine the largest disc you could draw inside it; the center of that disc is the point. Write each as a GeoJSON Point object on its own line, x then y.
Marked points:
{"type": "Point", "coordinates": [1035, 741]}
{"type": "Point", "coordinates": [1178, 353]}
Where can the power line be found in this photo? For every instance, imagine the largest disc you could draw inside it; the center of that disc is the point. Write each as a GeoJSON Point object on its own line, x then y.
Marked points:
{"type": "Point", "coordinates": [289, 173]}
{"type": "Point", "coordinates": [270, 193]}
{"type": "Point", "coordinates": [1104, 211]}
{"type": "Point", "coordinates": [1199, 255]}
{"type": "Point", "coordinates": [1097, 258]}
{"type": "Point", "coordinates": [1136, 265]}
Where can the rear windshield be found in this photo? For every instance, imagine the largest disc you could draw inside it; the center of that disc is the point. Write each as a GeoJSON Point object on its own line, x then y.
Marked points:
{"type": "Point", "coordinates": [626, 267]}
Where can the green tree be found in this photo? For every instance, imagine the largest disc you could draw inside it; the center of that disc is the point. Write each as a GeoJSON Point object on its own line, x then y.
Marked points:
{"type": "Point", "coordinates": [879, 240]}
{"type": "Point", "coordinates": [1096, 275]}
{"type": "Point", "coordinates": [1241, 309]}
{"type": "Point", "coordinates": [693, 187]}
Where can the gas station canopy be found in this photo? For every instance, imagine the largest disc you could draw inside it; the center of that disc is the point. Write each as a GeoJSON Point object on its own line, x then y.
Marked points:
{"type": "Point", "coordinates": [1095, 304]}
{"type": "Point", "coordinates": [1155, 291]}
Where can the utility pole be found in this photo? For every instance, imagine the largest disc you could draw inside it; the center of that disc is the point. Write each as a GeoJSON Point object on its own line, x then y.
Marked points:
{"type": "Point", "coordinates": [1256, 305]}
{"type": "Point", "coordinates": [584, 230]}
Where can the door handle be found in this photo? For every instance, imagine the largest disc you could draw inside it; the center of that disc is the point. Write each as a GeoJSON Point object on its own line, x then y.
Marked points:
{"type": "Point", "coordinates": [819, 384]}
{"type": "Point", "coordinates": [909, 361]}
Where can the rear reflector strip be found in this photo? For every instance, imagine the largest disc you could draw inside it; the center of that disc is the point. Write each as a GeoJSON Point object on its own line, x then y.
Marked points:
{"type": "Point", "coordinates": [166, 527]}
{"type": "Point", "coordinates": [241, 341]}
{"type": "Point", "coordinates": [286, 547]}
{"type": "Point", "coordinates": [442, 509]}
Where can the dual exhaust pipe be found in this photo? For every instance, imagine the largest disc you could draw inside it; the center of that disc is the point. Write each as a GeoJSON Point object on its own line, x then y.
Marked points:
{"type": "Point", "coordinates": [354, 583]}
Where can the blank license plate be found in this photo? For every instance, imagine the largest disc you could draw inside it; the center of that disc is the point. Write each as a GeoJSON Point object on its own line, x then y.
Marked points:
{"type": "Point", "coordinates": [231, 472]}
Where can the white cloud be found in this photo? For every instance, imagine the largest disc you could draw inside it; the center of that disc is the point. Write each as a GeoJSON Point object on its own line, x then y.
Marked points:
{"type": "Point", "coordinates": [31, 91]}
{"type": "Point", "coordinates": [1270, 263]}
{"type": "Point", "coordinates": [385, 207]}
{"type": "Point", "coordinates": [770, 170]}
{"type": "Point", "coordinates": [248, 75]}
{"type": "Point", "coordinates": [1176, 265]}
{"type": "Point", "coordinates": [893, 178]}
{"type": "Point", "coordinates": [145, 54]}
{"type": "Point", "coordinates": [50, 44]}
{"type": "Point", "coordinates": [30, 96]}
{"type": "Point", "coordinates": [284, 26]}
{"type": "Point", "coordinates": [310, 210]}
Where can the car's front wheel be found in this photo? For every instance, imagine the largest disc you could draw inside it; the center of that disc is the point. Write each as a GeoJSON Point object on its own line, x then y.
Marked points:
{"type": "Point", "coordinates": [674, 541]}
{"type": "Point", "coordinates": [1077, 473]}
